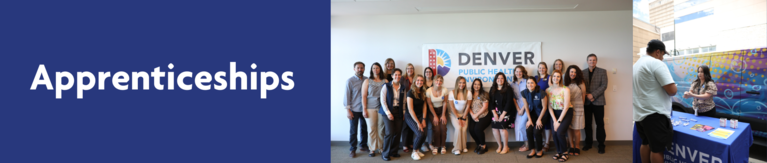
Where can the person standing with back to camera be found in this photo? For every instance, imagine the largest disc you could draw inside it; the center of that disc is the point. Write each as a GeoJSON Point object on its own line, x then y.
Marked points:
{"type": "Point", "coordinates": [594, 107]}
{"type": "Point", "coordinates": [652, 91]}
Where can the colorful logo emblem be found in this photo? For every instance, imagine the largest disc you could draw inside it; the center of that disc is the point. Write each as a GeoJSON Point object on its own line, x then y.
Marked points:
{"type": "Point", "coordinates": [439, 61]}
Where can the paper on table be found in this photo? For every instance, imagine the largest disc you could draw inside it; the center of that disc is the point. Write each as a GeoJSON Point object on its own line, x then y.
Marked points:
{"type": "Point", "coordinates": [721, 133]}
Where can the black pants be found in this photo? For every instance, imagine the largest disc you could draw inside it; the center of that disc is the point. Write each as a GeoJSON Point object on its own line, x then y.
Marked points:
{"type": "Point", "coordinates": [710, 113]}
{"type": "Point", "coordinates": [598, 112]}
{"type": "Point", "coordinates": [561, 131]}
{"type": "Point", "coordinates": [392, 133]}
{"type": "Point", "coordinates": [407, 135]}
{"type": "Point", "coordinates": [477, 129]}
{"type": "Point", "coordinates": [535, 135]}
{"type": "Point", "coordinates": [358, 119]}
{"type": "Point", "coordinates": [420, 136]}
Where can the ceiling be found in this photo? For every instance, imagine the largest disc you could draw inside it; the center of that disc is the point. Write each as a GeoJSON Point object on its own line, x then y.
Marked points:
{"type": "Point", "coordinates": [384, 7]}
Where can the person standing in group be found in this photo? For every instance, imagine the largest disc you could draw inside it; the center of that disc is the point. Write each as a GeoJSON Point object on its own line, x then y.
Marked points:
{"type": "Point", "coordinates": [543, 84]}
{"type": "Point", "coordinates": [574, 82]}
{"type": "Point", "coordinates": [436, 100]}
{"type": "Point", "coordinates": [428, 82]}
{"type": "Point", "coordinates": [416, 115]}
{"type": "Point", "coordinates": [479, 119]}
{"type": "Point", "coordinates": [371, 89]}
{"type": "Point", "coordinates": [652, 91]}
{"type": "Point", "coordinates": [407, 134]}
{"type": "Point", "coordinates": [535, 104]}
{"type": "Point", "coordinates": [389, 68]}
{"type": "Point", "coordinates": [596, 84]}
{"type": "Point", "coordinates": [559, 65]}
{"type": "Point", "coordinates": [703, 91]}
{"type": "Point", "coordinates": [518, 84]}
{"type": "Point", "coordinates": [391, 103]}
{"type": "Point", "coordinates": [353, 105]}
{"type": "Point", "coordinates": [561, 115]}
{"type": "Point", "coordinates": [503, 107]}
{"type": "Point", "coordinates": [459, 100]}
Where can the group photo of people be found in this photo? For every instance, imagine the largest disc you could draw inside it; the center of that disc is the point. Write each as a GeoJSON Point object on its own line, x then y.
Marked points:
{"type": "Point", "coordinates": [393, 110]}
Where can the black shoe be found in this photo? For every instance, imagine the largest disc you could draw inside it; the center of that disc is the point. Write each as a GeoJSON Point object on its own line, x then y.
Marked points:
{"type": "Point", "coordinates": [372, 154]}
{"type": "Point", "coordinates": [539, 156]}
{"type": "Point", "coordinates": [395, 155]}
{"type": "Point", "coordinates": [385, 158]}
{"type": "Point", "coordinates": [476, 150]}
{"type": "Point", "coordinates": [483, 150]}
{"type": "Point", "coordinates": [601, 150]}
{"type": "Point", "coordinates": [586, 148]}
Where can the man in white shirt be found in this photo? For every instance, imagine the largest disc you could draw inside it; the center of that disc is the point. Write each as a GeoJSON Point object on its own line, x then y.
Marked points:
{"type": "Point", "coordinates": [653, 87]}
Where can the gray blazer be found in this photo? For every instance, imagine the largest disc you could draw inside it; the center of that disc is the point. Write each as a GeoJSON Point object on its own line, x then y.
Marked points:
{"type": "Point", "coordinates": [597, 86]}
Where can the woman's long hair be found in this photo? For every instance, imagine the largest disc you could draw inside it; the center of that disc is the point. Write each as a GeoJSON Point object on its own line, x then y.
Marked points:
{"type": "Point", "coordinates": [505, 86]}
{"type": "Point", "coordinates": [578, 75]}
{"type": "Point", "coordinates": [417, 92]}
{"type": "Point", "coordinates": [706, 76]}
{"type": "Point", "coordinates": [456, 89]}
{"type": "Point", "coordinates": [524, 73]}
{"type": "Point", "coordinates": [380, 71]}
{"type": "Point", "coordinates": [481, 94]}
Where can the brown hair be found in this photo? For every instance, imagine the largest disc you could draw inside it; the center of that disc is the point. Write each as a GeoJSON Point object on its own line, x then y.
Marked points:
{"type": "Point", "coordinates": [524, 73]}
{"type": "Point", "coordinates": [417, 92]}
{"type": "Point", "coordinates": [560, 78]}
{"type": "Point", "coordinates": [456, 89]}
{"type": "Point", "coordinates": [392, 64]}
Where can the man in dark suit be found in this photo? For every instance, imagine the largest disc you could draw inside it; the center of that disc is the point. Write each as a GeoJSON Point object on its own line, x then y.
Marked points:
{"type": "Point", "coordinates": [596, 84]}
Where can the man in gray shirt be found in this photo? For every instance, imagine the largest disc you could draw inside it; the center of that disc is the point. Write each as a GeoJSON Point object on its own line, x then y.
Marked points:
{"type": "Point", "coordinates": [653, 87]}
{"type": "Point", "coordinates": [353, 105]}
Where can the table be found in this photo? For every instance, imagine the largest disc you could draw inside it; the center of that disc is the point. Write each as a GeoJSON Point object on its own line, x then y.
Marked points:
{"type": "Point", "coordinates": [691, 146]}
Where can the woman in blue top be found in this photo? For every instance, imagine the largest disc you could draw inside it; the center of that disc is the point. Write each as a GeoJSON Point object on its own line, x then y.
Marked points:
{"type": "Point", "coordinates": [519, 83]}
{"type": "Point", "coordinates": [535, 103]}
{"type": "Point", "coordinates": [543, 83]}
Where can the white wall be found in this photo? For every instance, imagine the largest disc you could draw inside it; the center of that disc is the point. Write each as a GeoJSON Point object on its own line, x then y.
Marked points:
{"type": "Point", "coordinates": [569, 36]}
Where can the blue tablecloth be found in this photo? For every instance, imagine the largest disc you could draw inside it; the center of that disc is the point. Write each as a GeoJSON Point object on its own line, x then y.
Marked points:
{"type": "Point", "coordinates": [691, 146]}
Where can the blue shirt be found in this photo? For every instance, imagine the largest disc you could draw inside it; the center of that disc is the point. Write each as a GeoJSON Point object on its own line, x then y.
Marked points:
{"type": "Point", "coordinates": [543, 84]}
{"type": "Point", "coordinates": [353, 95]}
{"type": "Point", "coordinates": [533, 100]}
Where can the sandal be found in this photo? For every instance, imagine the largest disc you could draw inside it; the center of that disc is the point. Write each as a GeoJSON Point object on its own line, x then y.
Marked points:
{"type": "Point", "coordinates": [556, 156]}
{"type": "Point", "coordinates": [405, 149]}
{"type": "Point", "coordinates": [563, 158]}
{"type": "Point", "coordinates": [546, 147]}
{"type": "Point", "coordinates": [523, 149]}
{"type": "Point", "coordinates": [576, 152]}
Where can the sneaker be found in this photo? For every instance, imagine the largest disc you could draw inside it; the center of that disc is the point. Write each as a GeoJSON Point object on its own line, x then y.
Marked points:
{"type": "Point", "coordinates": [457, 153]}
{"type": "Point", "coordinates": [419, 153]}
{"type": "Point", "coordinates": [434, 151]}
{"type": "Point", "coordinates": [415, 156]}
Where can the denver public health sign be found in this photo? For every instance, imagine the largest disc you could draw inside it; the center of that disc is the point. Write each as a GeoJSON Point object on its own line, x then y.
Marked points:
{"type": "Point", "coordinates": [480, 60]}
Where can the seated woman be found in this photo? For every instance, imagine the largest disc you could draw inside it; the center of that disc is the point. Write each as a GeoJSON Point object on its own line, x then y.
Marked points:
{"type": "Point", "coordinates": [702, 91]}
